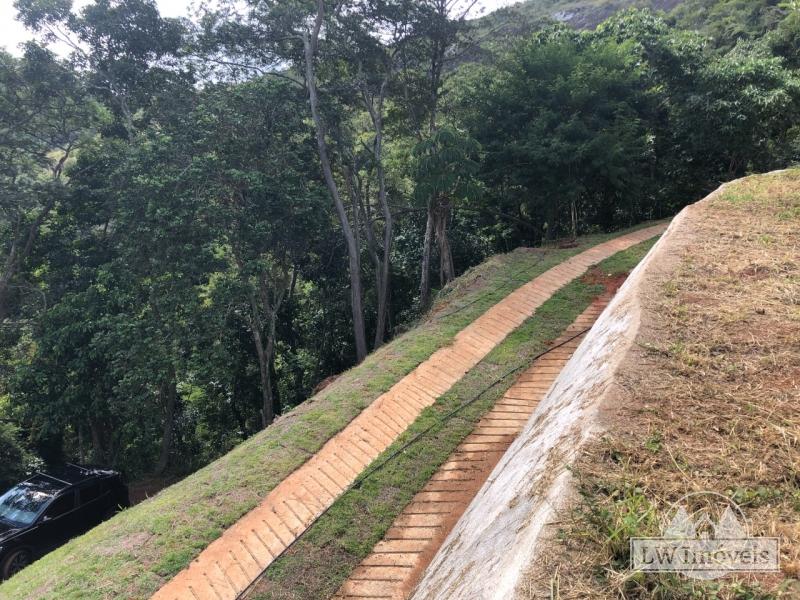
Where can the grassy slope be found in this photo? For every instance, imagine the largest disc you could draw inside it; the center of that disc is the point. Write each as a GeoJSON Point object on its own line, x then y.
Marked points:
{"type": "Point", "coordinates": [134, 553]}
{"type": "Point", "coordinates": [716, 408]}
{"type": "Point", "coordinates": [323, 558]}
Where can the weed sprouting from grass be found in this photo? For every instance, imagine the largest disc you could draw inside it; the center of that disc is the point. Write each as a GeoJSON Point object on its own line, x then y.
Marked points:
{"type": "Point", "coordinates": [653, 443]}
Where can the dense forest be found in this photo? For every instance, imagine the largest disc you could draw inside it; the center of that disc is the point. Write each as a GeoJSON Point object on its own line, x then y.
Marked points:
{"type": "Point", "coordinates": [202, 219]}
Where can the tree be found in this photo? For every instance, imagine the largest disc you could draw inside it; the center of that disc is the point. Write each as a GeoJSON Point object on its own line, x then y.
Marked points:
{"type": "Point", "coordinates": [721, 114]}
{"type": "Point", "coordinates": [369, 41]}
{"type": "Point", "coordinates": [110, 349]}
{"type": "Point", "coordinates": [272, 34]}
{"type": "Point", "coordinates": [46, 116]}
{"type": "Point", "coordinates": [561, 124]}
{"type": "Point", "coordinates": [439, 27]}
{"type": "Point", "coordinates": [17, 460]}
{"type": "Point", "coordinates": [784, 41]}
{"type": "Point", "coordinates": [745, 103]}
{"type": "Point", "coordinates": [446, 169]}
{"type": "Point", "coordinates": [255, 161]}
{"type": "Point", "coordinates": [727, 22]}
{"type": "Point", "coordinates": [124, 47]}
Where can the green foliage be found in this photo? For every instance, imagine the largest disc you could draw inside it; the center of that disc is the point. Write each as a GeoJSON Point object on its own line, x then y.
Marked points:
{"type": "Point", "coordinates": [122, 45]}
{"type": "Point", "coordinates": [184, 518]}
{"type": "Point", "coordinates": [17, 462]}
{"type": "Point", "coordinates": [784, 40]}
{"type": "Point", "coordinates": [561, 122]}
{"type": "Point", "coordinates": [624, 123]}
{"type": "Point", "coordinates": [203, 223]}
{"type": "Point", "coordinates": [174, 269]}
{"type": "Point", "coordinates": [446, 166]}
{"type": "Point", "coordinates": [46, 116]}
{"type": "Point", "coordinates": [728, 21]}
{"type": "Point", "coordinates": [724, 22]}
{"type": "Point", "coordinates": [720, 115]}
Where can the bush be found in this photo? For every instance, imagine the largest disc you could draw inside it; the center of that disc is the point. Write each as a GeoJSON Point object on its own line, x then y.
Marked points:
{"type": "Point", "coordinates": [17, 461]}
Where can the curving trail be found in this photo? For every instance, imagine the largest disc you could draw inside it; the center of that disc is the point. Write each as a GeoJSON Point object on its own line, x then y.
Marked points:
{"type": "Point", "coordinates": [231, 563]}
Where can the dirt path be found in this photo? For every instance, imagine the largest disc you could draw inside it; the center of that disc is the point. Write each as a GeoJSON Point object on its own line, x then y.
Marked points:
{"type": "Point", "coordinates": [397, 561]}
{"type": "Point", "coordinates": [232, 562]}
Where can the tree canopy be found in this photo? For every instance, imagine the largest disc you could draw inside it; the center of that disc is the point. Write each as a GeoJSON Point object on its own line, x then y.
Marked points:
{"type": "Point", "coordinates": [202, 221]}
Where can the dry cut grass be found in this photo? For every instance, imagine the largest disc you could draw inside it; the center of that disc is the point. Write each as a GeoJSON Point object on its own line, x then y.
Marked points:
{"type": "Point", "coordinates": [708, 401]}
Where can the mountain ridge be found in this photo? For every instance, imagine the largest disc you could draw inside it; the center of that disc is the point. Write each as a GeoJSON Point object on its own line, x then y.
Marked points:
{"type": "Point", "coordinates": [580, 14]}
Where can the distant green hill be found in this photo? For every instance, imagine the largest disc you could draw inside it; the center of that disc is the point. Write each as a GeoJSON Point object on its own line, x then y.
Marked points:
{"type": "Point", "coordinates": [497, 30]}
{"type": "Point", "coordinates": [581, 14]}
{"type": "Point", "coordinates": [723, 20]}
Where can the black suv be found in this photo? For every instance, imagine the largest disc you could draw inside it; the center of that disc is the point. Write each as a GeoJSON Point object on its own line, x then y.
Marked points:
{"type": "Point", "coordinates": [48, 509]}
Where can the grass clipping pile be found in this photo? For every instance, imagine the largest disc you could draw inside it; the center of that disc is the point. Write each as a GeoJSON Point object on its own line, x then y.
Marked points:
{"type": "Point", "coordinates": [709, 400]}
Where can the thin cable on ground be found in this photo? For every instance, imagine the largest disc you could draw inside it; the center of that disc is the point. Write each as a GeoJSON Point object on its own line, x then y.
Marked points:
{"type": "Point", "coordinates": [357, 483]}
{"type": "Point", "coordinates": [371, 471]}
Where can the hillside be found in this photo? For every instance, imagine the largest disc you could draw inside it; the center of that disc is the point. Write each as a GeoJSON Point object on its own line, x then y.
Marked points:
{"type": "Point", "coordinates": [316, 268]}
{"type": "Point", "coordinates": [683, 395]}
{"type": "Point", "coordinates": [134, 553]}
{"type": "Point", "coordinates": [379, 535]}
{"type": "Point", "coordinates": [521, 18]}
{"type": "Point", "coordinates": [724, 21]}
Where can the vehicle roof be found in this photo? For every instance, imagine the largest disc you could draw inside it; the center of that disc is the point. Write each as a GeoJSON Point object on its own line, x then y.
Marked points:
{"type": "Point", "coordinates": [44, 484]}
{"type": "Point", "coordinates": [55, 480]}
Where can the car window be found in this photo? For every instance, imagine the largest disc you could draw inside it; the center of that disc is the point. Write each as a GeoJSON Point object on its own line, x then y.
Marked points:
{"type": "Point", "coordinates": [61, 505]}
{"type": "Point", "coordinates": [90, 492]}
{"type": "Point", "coordinates": [22, 504]}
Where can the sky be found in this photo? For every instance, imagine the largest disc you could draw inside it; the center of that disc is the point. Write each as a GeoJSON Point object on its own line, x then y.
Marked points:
{"type": "Point", "coordinates": [13, 33]}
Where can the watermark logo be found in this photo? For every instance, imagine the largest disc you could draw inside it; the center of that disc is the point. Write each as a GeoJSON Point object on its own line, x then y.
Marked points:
{"type": "Point", "coordinates": [705, 536]}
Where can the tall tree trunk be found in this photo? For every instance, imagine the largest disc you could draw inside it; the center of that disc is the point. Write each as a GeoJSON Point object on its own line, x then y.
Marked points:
{"type": "Point", "coordinates": [362, 213]}
{"type": "Point", "coordinates": [310, 42]}
{"type": "Point", "coordinates": [434, 72]}
{"type": "Point", "coordinates": [264, 339]}
{"type": "Point", "coordinates": [98, 448]}
{"type": "Point", "coordinates": [5, 280]}
{"type": "Point", "coordinates": [382, 313]}
{"type": "Point", "coordinates": [388, 237]}
{"type": "Point", "coordinates": [427, 247]}
{"type": "Point", "coordinates": [383, 268]}
{"type": "Point", "coordinates": [441, 220]}
{"type": "Point", "coordinates": [170, 392]}
{"type": "Point", "coordinates": [267, 399]}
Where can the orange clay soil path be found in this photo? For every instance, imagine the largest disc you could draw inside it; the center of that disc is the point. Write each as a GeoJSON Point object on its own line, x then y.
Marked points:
{"type": "Point", "coordinates": [231, 563]}
{"type": "Point", "coordinates": [397, 561]}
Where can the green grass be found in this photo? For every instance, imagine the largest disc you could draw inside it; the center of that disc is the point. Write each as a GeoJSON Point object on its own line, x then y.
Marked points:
{"type": "Point", "coordinates": [133, 554]}
{"type": "Point", "coordinates": [322, 559]}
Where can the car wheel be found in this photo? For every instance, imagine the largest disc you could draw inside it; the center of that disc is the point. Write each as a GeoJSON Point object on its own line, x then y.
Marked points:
{"type": "Point", "coordinates": [15, 562]}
